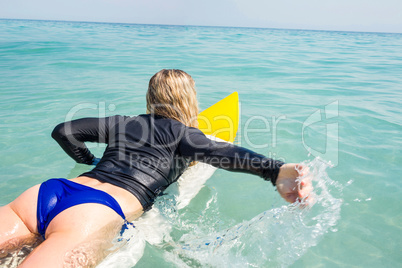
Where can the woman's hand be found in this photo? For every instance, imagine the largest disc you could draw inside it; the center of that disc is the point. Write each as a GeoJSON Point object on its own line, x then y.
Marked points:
{"type": "Point", "coordinates": [293, 182]}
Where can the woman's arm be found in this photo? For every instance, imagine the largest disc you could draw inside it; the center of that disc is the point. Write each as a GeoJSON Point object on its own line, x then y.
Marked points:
{"type": "Point", "coordinates": [292, 180]}
{"type": "Point", "coordinates": [227, 156]}
{"type": "Point", "coordinates": [72, 135]}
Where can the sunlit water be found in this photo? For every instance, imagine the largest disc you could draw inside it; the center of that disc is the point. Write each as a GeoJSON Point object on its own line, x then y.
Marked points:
{"type": "Point", "coordinates": [305, 96]}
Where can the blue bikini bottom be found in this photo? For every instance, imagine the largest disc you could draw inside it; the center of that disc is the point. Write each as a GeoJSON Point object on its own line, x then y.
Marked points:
{"type": "Point", "coordinates": [57, 195]}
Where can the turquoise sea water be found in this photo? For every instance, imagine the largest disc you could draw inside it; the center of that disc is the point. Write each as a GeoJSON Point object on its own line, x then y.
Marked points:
{"type": "Point", "coordinates": [303, 94]}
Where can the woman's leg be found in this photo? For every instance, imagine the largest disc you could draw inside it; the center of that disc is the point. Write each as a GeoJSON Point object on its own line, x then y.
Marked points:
{"type": "Point", "coordinates": [17, 225]}
{"type": "Point", "coordinates": [19, 217]}
{"type": "Point", "coordinates": [11, 225]}
{"type": "Point", "coordinates": [77, 237]}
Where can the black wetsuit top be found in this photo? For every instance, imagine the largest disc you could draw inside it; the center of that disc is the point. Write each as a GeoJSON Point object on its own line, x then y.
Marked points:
{"type": "Point", "coordinates": [145, 154]}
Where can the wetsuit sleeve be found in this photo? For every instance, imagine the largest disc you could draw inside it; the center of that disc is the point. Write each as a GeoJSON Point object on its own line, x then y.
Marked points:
{"type": "Point", "coordinates": [198, 147]}
{"type": "Point", "coordinates": [71, 136]}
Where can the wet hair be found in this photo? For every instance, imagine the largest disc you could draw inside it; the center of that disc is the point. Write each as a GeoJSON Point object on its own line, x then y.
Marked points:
{"type": "Point", "coordinates": [171, 93]}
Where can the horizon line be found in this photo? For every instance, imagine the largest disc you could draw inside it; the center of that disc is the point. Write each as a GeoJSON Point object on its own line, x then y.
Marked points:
{"type": "Point", "coordinates": [211, 26]}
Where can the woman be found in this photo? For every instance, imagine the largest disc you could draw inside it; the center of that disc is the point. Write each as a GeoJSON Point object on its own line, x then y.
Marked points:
{"type": "Point", "coordinates": [78, 218]}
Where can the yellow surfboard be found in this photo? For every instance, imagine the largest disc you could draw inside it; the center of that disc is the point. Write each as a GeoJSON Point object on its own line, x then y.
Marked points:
{"type": "Point", "coordinates": [221, 119]}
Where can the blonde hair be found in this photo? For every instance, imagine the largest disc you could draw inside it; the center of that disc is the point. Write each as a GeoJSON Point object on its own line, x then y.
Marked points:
{"type": "Point", "coordinates": [171, 93]}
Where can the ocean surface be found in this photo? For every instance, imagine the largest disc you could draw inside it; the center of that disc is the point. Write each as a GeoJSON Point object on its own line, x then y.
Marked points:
{"type": "Point", "coordinates": [332, 100]}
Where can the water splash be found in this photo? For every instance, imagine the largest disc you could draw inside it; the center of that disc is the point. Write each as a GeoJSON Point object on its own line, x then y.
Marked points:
{"type": "Point", "coordinates": [274, 238]}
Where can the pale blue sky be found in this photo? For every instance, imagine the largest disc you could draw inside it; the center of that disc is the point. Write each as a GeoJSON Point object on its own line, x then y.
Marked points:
{"type": "Point", "coordinates": [343, 15]}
